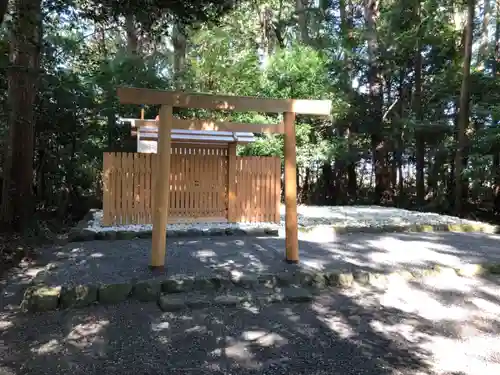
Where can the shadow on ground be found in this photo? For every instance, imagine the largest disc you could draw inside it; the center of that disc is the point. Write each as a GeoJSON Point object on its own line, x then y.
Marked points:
{"type": "Point", "coordinates": [334, 336]}
{"type": "Point", "coordinates": [118, 261]}
{"type": "Point", "coordinates": [405, 329]}
{"type": "Point", "coordinates": [436, 326]}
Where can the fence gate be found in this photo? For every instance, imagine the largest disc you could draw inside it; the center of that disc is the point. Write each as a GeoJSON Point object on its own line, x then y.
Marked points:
{"type": "Point", "coordinates": [198, 187]}
{"type": "Point", "coordinates": [258, 189]}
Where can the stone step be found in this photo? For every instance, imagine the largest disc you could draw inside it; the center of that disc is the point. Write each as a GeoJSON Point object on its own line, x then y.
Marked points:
{"type": "Point", "coordinates": [79, 234]}
{"type": "Point", "coordinates": [176, 302]}
{"type": "Point", "coordinates": [41, 297]}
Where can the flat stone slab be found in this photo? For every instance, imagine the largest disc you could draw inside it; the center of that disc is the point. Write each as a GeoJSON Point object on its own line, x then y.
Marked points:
{"type": "Point", "coordinates": [78, 296]}
{"type": "Point", "coordinates": [41, 298]}
{"type": "Point", "coordinates": [148, 290]}
{"type": "Point", "coordinates": [114, 293]}
{"type": "Point", "coordinates": [176, 302]}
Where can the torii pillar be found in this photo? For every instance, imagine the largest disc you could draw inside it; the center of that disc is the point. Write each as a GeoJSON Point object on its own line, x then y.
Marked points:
{"type": "Point", "coordinates": [162, 188]}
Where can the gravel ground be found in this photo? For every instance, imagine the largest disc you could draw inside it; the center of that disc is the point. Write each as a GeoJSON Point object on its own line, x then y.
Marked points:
{"type": "Point", "coordinates": [357, 216]}
{"type": "Point", "coordinates": [440, 325]}
{"type": "Point", "coordinates": [120, 260]}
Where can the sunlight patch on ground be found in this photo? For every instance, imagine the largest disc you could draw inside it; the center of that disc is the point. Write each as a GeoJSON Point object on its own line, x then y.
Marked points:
{"type": "Point", "coordinates": [251, 308]}
{"type": "Point", "coordinates": [486, 305]}
{"type": "Point", "coordinates": [446, 318]}
{"type": "Point", "coordinates": [333, 321]}
{"type": "Point", "coordinates": [51, 346]}
{"type": "Point", "coordinates": [242, 349]}
{"type": "Point", "coordinates": [394, 250]}
{"type": "Point", "coordinates": [472, 356]}
{"type": "Point", "coordinates": [158, 327]}
{"type": "Point", "coordinates": [87, 337]}
{"type": "Point", "coordinates": [412, 300]}
{"type": "Point", "coordinates": [205, 253]}
{"type": "Point", "coordinates": [263, 338]}
{"type": "Point", "coordinates": [406, 331]}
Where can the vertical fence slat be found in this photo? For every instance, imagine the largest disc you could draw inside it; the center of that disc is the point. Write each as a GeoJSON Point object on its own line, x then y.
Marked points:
{"type": "Point", "coordinates": [106, 189]}
{"type": "Point", "coordinates": [257, 189]}
{"type": "Point", "coordinates": [243, 190]}
{"type": "Point", "coordinates": [277, 190]}
{"type": "Point", "coordinates": [135, 191]}
{"type": "Point", "coordinates": [259, 200]}
{"type": "Point", "coordinates": [232, 172]}
{"type": "Point", "coordinates": [177, 182]}
{"type": "Point", "coordinates": [183, 193]}
{"type": "Point", "coordinates": [223, 165]}
{"type": "Point", "coordinates": [118, 185]}
{"type": "Point", "coordinates": [192, 188]}
{"type": "Point", "coordinates": [269, 192]}
{"type": "Point", "coordinates": [250, 189]}
{"type": "Point", "coordinates": [147, 187]}
{"type": "Point", "coordinates": [201, 187]}
{"type": "Point", "coordinates": [247, 176]}
{"type": "Point", "coordinates": [123, 183]}
{"type": "Point", "coordinates": [128, 188]}
{"type": "Point", "coordinates": [187, 196]}
{"type": "Point", "coordinates": [239, 189]}
{"type": "Point", "coordinates": [265, 190]}
{"type": "Point", "coordinates": [197, 200]}
{"type": "Point", "coordinates": [131, 208]}
{"type": "Point", "coordinates": [140, 188]}
{"type": "Point", "coordinates": [171, 184]}
{"type": "Point", "coordinates": [154, 175]}
{"type": "Point", "coordinates": [214, 186]}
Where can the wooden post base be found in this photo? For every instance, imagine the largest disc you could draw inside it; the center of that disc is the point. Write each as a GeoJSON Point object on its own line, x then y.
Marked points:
{"type": "Point", "coordinates": [157, 269]}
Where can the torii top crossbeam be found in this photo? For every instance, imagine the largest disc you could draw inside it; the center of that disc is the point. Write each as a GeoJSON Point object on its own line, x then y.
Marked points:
{"type": "Point", "coordinates": [170, 99]}
{"type": "Point", "coordinates": [128, 95]}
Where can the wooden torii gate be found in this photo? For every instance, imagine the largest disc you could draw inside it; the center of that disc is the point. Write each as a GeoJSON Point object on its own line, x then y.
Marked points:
{"type": "Point", "coordinates": [170, 99]}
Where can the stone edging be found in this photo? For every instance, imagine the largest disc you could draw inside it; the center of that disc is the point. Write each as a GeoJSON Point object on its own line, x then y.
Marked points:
{"type": "Point", "coordinates": [80, 233]}
{"type": "Point", "coordinates": [40, 297]}
{"type": "Point", "coordinates": [85, 234]}
{"type": "Point", "coordinates": [420, 228]}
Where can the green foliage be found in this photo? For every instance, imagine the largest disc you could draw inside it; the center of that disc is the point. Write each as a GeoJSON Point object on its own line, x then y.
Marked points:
{"type": "Point", "coordinates": [299, 72]}
{"type": "Point", "coordinates": [154, 15]}
{"type": "Point", "coordinates": [216, 64]}
{"type": "Point", "coordinates": [256, 48]}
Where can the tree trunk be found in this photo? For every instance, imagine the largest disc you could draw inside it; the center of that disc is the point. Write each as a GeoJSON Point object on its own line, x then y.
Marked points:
{"type": "Point", "coordinates": [463, 115]}
{"type": "Point", "coordinates": [4, 4]}
{"type": "Point", "coordinates": [496, 156]}
{"type": "Point", "coordinates": [403, 104]}
{"type": "Point", "coordinates": [305, 193]}
{"type": "Point", "coordinates": [179, 43]}
{"type": "Point", "coordinates": [132, 39]}
{"type": "Point", "coordinates": [17, 194]}
{"type": "Point", "coordinates": [417, 108]}
{"type": "Point", "coordinates": [267, 27]}
{"type": "Point", "coordinates": [343, 129]}
{"type": "Point", "coordinates": [352, 182]}
{"type": "Point", "coordinates": [301, 10]}
{"type": "Point", "coordinates": [378, 144]}
{"type": "Point", "coordinates": [484, 47]}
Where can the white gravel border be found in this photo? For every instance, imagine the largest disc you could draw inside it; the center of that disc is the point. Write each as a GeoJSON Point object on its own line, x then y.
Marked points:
{"type": "Point", "coordinates": [309, 216]}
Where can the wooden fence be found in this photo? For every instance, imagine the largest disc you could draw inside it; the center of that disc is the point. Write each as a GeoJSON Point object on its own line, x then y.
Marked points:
{"type": "Point", "coordinates": [199, 180]}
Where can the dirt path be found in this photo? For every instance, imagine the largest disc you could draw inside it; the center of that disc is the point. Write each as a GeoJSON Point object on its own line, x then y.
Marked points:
{"type": "Point", "coordinates": [439, 325]}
